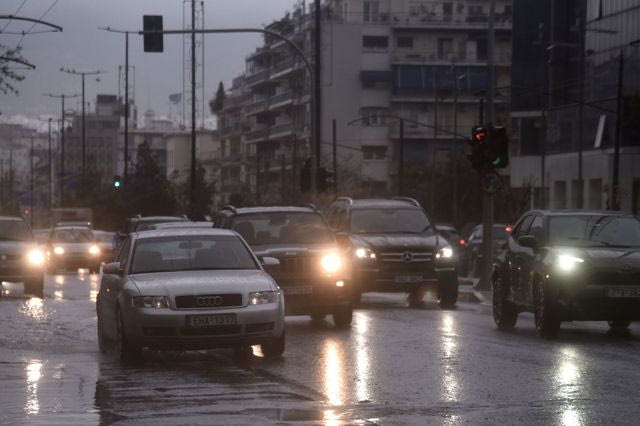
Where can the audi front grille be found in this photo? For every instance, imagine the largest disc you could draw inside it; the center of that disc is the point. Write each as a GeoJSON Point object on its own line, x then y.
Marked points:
{"type": "Point", "coordinates": [208, 301]}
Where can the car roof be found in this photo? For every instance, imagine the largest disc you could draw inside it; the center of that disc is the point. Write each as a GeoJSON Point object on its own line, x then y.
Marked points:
{"type": "Point", "coordinates": [382, 203]}
{"type": "Point", "coordinates": [272, 209]}
{"type": "Point", "coordinates": [12, 218]}
{"type": "Point", "coordinates": [66, 227]}
{"type": "Point", "coordinates": [176, 232]}
{"type": "Point", "coordinates": [171, 218]}
{"type": "Point", "coordinates": [580, 212]}
{"type": "Point", "coordinates": [183, 224]}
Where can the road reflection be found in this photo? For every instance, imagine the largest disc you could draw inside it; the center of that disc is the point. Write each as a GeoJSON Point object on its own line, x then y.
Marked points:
{"type": "Point", "coordinates": [361, 333]}
{"type": "Point", "coordinates": [34, 307]}
{"type": "Point", "coordinates": [33, 371]}
{"type": "Point", "coordinates": [450, 383]}
{"type": "Point", "coordinates": [333, 377]}
{"type": "Point", "coordinates": [568, 385]}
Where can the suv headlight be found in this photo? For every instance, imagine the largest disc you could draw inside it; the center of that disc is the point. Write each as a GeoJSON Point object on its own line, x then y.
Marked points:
{"type": "Point", "coordinates": [364, 253]}
{"type": "Point", "coordinates": [158, 302]}
{"type": "Point", "coordinates": [58, 250]}
{"type": "Point", "coordinates": [94, 250]}
{"type": "Point", "coordinates": [331, 263]}
{"type": "Point", "coordinates": [35, 257]}
{"type": "Point", "coordinates": [260, 297]}
{"type": "Point", "coordinates": [444, 253]}
{"type": "Point", "coordinates": [567, 262]}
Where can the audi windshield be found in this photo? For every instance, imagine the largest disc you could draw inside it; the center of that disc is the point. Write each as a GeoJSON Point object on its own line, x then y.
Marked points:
{"type": "Point", "coordinates": [15, 230]}
{"type": "Point", "coordinates": [191, 253]}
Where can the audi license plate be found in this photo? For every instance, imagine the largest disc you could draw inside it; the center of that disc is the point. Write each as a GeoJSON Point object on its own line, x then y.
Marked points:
{"type": "Point", "coordinates": [297, 290]}
{"type": "Point", "coordinates": [211, 320]}
{"type": "Point", "coordinates": [623, 292]}
{"type": "Point", "coordinates": [403, 279]}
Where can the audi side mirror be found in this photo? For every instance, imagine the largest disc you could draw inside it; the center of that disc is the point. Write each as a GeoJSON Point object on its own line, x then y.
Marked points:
{"type": "Point", "coordinates": [528, 241]}
{"type": "Point", "coordinates": [112, 268]}
{"type": "Point", "coordinates": [269, 261]}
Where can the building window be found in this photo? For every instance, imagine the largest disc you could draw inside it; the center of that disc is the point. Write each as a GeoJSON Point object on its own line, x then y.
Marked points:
{"type": "Point", "coordinates": [560, 194]}
{"type": "Point", "coordinates": [447, 11]}
{"type": "Point", "coordinates": [475, 10]}
{"type": "Point", "coordinates": [445, 48]}
{"type": "Point", "coordinates": [595, 194]}
{"type": "Point", "coordinates": [371, 11]}
{"type": "Point", "coordinates": [374, 152]}
{"type": "Point", "coordinates": [373, 116]}
{"type": "Point", "coordinates": [375, 42]}
{"type": "Point", "coordinates": [481, 49]}
{"type": "Point", "coordinates": [405, 41]}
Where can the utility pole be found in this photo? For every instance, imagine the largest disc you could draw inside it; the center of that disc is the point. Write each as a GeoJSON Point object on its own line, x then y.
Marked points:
{"type": "Point", "coordinates": [581, 37]}
{"type": "Point", "coordinates": [401, 159]}
{"type": "Point", "coordinates": [62, 97]}
{"type": "Point", "coordinates": [434, 148]}
{"type": "Point", "coordinates": [317, 99]}
{"type": "Point", "coordinates": [49, 168]}
{"type": "Point", "coordinates": [31, 184]}
{"type": "Point", "coordinates": [615, 196]}
{"type": "Point", "coordinates": [454, 152]}
{"type": "Point", "coordinates": [335, 158]}
{"type": "Point", "coordinates": [257, 176]}
{"type": "Point", "coordinates": [487, 199]}
{"type": "Point", "coordinates": [126, 107]}
{"type": "Point", "coordinates": [193, 108]}
{"type": "Point", "coordinates": [83, 75]}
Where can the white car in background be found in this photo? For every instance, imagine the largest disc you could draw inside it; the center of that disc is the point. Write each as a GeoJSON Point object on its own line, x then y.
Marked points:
{"type": "Point", "coordinates": [189, 288]}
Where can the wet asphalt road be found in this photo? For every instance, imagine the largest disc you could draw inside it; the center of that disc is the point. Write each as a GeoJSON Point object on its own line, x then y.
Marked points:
{"type": "Point", "coordinates": [396, 365]}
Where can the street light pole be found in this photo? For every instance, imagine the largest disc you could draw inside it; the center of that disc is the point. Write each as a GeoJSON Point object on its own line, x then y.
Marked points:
{"type": "Point", "coordinates": [401, 159]}
{"type": "Point", "coordinates": [193, 109]}
{"type": "Point", "coordinates": [31, 184]}
{"type": "Point", "coordinates": [615, 205]}
{"type": "Point", "coordinates": [49, 163]}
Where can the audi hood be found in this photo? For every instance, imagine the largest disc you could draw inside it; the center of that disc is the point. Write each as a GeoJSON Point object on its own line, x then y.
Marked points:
{"type": "Point", "coordinates": [202, 282]}
{"type": "Point", "coordinates": [398, 242]}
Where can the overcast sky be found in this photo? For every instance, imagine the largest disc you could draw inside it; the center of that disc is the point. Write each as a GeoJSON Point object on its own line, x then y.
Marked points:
{"type": "Point", "coordinates": [83, 47]}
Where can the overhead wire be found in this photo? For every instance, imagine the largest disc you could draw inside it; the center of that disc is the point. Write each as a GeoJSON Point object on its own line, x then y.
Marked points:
{"type": "Point", "coordinates": [46, 12]}
{"type": "Point", "coordinates": [15, 13]}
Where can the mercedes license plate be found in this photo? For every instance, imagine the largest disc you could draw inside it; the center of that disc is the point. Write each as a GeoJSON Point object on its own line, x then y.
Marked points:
{"type": "Point", "coordinates": [623, 292]}
{"type": "Point", "coordinates": [297, 290]}
{"type": "Point", "coordinates": [211, 320]}
{"type": "Point", "coordinates": [403, 279]}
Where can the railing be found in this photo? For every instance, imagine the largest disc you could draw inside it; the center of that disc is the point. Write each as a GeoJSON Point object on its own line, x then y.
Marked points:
{"type": "Point", "coordinates": [257, 134]}
{"type": "Point", "coordinates": [427, 19]}
{"type": "Point", "coordinates": [281, 128]}
{"type": "Point", "coordinates": [257, 76]}
{"type": "Point", "coordinates": [256, 106]}
{"type": "Point", "coordinates": [421, 56]}
{"type": "Point", "coordinates": [282, 97]}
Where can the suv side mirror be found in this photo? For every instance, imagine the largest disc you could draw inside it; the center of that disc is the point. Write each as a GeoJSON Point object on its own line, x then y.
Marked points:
{"type": "Point", "coordinates": [528, 241]}
{"type": "Point", "coordinates": [112, 269]}
{"type": "Point", "coordinates": [342, 237]}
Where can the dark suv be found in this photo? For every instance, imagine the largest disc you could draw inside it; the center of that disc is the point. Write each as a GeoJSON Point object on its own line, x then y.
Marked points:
{"type": "Point", "coordinates": [569, 265]}
{"type": "Point", "coordinates": [20, 258]}
{"type": "Point", "coordinates": [141, 223]}
{"type": "Point", "coordinates": [395, 248]}
{"type": "Point", "coordinates": [313, 274]}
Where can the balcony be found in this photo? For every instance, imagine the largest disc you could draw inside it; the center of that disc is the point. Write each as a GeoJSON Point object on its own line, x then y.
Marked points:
{"type": "Point", "coordinates": [258, 133]}
{"type": "Point", "coordinates": [478, 21]}
{"type": "Point", "coordinates": [287, 66]}
{"type": "Point", "coordinates": [281, 99]}
{"type": "Point", "coordinates": [257, 106]}
{"type": "Point", "coordinates": [257, 77]}
{"type": "Point", "coordinates": [281, 130]}
{"type": "Point", "coordinates": [423, 57]}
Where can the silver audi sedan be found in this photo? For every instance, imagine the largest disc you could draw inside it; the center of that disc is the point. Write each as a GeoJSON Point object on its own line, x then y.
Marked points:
{"type": "Point", "coordinates": [189, 288]}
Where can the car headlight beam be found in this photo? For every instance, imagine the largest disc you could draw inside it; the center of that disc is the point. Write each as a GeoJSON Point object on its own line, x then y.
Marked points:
{"type": "Point", "coordinates": [331, 263]}
{"type": "Point", "coordinates": [364, 253]}
{"type": "Point", "coordinates": [35, 257]}
{"type": "Point", "coordinates": [567, 262]}
{"type": "Point", "coordinates": [94, 250]}
{"type": "Point", "coordinates": [58, 250]}
{"type": "Point", "coordinates": [260, 297]}
{"type": "Point", "coordinates": [444, 253]}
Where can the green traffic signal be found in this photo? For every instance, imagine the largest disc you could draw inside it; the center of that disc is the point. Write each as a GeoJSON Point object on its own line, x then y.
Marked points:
{"type": "Point", "coordinates": [117, 182]}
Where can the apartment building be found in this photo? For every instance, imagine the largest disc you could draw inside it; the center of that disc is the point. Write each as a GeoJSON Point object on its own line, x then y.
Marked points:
{"type": "Point", "coordinates": [423, 61]}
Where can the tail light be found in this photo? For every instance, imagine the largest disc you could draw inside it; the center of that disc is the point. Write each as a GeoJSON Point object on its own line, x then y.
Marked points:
{"type": "Point", "coordinates": [463, 243]}
{"type": "Point", "coordinates": [508, 228]}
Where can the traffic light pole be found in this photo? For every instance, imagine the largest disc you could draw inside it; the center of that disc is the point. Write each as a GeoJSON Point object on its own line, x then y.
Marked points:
{"type": "Point", "coordinates": [487, 198]}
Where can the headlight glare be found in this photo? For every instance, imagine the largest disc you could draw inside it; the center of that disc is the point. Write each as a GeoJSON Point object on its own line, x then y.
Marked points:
{"type": "Point", "coordinates": [157, 302]}
{"type": "Point", "coordinates": [58, 250]}
{"type": "Point", "coordinates": [94, 250]}
{"type": "Point", "coordinates": [364, 253]}
{"type": "Point", "coordinates": [444, 253]}
{"type": "Point", "coordinates": [331, 263]}
{"type": "Point", "coordinates": [567, 262]}
{"type": "Point", "coordinates": [260, 297]}
{"type": "Point", "coordinates": [35, 257]}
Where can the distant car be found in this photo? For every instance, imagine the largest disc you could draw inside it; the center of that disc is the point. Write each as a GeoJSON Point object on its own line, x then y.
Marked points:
{"type": "Point", "coordinates": [313, 274]}
{"type": "Point", "coordinates": [76, 223]}
{"type": "Point", "coordinates": [21, 260]}
{"type": "Point", "coordinates": [42, 236]}
{"type": "Point", "coordinates": [473, 247]}
{"type": "Point", "coordinates": [141, 223]}
{"type": "Point", "coordinates": [569, 265]}
{"type": "Point", "coordinates": [189, 289]}
{"type": "Point", "coordinates": [73, 247]}
{"type": "Point", "coordinates": [395, 248]}
{"type": "Point", "coordinates": [104, 241]}
{"type": "Point", "coordinates": [452, 235]}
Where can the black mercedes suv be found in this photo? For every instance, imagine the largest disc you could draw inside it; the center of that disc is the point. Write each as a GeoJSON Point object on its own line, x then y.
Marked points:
{"type": "Point", "coordinates": [21, 260]}
{"type": "Point", "coordinates": [569, 265]}
{"type": "Point", "coordinates": [313, 273]}
{"type": "Point", "coordinates": [395, 248]}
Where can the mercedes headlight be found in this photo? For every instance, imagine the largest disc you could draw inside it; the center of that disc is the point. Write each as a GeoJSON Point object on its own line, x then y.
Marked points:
{"type": "Point", "coordinates": [158, 302]}
{"type": "Point", "coordinates": [567, 262]}
{"type": "Point", "coordinates": [260, 297]}
{"type": "Point", "coordinates": [94, 250]}
{"type": "Point", "coordinates": [364, 253]}
{"type": "Point", "coordinates": [444, 253]}
{"type": "Point", "coordinates": [331, 263]}
{"type": "Point", "coordinates": [35, 257]}
{"type": "Point", "coordinates": [58, 250]}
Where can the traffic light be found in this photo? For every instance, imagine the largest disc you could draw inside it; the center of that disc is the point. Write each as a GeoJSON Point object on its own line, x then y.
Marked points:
{"type": "Point", "coordinates": [152, 42]}
{"type": "Point", "coordinates": [325, 179]}
{"type": "Point", "coordinates": [117, 182]}
{"type": "Point", "coordinates": [479, 144]}
{"type": "Point", "coordinates": [500, 148]}
{"type": "Point", "coordinates": [305, 176]}
{"type": "Point", "coordinates": [489, 147]}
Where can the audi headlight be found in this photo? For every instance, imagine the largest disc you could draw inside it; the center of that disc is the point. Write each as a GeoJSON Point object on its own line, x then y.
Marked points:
{"type": "Point", "coordinates": [94, 250]}
{"type": "Point", "coordinates": [331, 263]}
{"type": "Point", "coordinates": [260, 297]}
{"type": "Point", "coordinates": [364, 253]}
{"type": "Point", "coordinates": [444, 253]}
{"type": "Point", "coordinates": [567, 262]}
{"type": "Point", "coordinates": [58, 250]}
{"type": "Point", "coordinates": [158, 302]}
{"type": "Point", "coordinates": [35, 257]}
